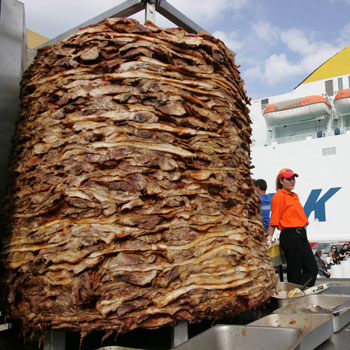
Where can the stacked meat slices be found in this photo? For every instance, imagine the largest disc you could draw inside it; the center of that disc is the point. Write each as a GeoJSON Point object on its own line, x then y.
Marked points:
{"type": "Point", "coordinates": [131, 202]}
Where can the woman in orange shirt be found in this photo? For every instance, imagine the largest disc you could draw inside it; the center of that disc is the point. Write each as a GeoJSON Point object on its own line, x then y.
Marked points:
{"type": "Point", "coordinates": [287, 214]}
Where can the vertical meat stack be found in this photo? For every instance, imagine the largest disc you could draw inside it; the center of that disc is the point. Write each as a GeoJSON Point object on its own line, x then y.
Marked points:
{"type": "Point", "coordinates": [130, 201]}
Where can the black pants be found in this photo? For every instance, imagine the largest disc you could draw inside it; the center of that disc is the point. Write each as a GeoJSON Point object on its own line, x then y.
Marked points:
{"type": "Point", "coordinates": [301, 263]}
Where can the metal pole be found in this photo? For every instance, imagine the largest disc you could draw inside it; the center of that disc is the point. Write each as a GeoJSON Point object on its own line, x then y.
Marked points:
{"type": "Point", "coordinates": [12, 58]}
{"type": "Point", "coordinates": [177, 17]}
{"type": "Point", "coordinates": [150, 11]}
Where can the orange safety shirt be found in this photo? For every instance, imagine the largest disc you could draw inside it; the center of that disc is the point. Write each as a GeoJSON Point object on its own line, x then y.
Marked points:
{"type": "Point", "coordinates": [286, 211]}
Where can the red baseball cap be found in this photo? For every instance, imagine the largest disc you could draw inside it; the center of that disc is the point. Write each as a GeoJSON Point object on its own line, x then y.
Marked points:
{"type": "Point", "coordinates": [287, 173]}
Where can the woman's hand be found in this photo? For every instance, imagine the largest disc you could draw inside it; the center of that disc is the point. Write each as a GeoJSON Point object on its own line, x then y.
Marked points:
{"type": "Point", "coordinates": [269, 242]}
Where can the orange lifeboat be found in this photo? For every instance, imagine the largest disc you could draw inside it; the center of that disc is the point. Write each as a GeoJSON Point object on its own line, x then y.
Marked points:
{"type": "Point", "coordinates": [297, 110]}
{"type": "Point", "coordinates": [342, 102]}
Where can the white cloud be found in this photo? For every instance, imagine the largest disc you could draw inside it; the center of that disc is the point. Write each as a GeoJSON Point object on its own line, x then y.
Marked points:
{"type": "Point", "coordinates": [207, 10]}
{"type": "Point", "coordinates": [310, 62]}
{"type": "Point", "coordinates": [266, 31]}
{"type": "Point", "coordinates": [254, 73]}
{"type": "Point", "coordinates": [52, 18]}
{"type": "Point", "coordinates": [277, 68]}
{"type": "Point", "coordinates": [312, 53]}
{"type": "Point", "coordinates": [308, 47]}
{"type": "Point", "coordinates": [229, 39]}
{"type": "Point", "coordinates": [346, 2]}
{"type": "Point", "coordinates": [297, 41]}
{"type": "Point", "coordinates": [299, 55]}
{"type": "Point", "coordinates": [344, 35]}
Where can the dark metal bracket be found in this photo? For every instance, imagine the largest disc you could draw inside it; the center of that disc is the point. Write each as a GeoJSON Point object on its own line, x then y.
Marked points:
{"type": "Point", "coordinates": [130, 7]}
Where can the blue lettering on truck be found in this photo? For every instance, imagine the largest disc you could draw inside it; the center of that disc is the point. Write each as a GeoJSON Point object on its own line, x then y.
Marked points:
{"type": "Point", "coordinates": [319, 205]}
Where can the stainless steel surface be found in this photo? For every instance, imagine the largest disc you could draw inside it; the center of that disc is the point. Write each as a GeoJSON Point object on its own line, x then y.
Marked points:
{"type": "Point", "coordinates": [326, 302]}
{"type": "Point", "coordinates": [5, 326]}
{"type": "Point", "coordinates": [315, 329]}
{"type": "Point", "coordinates": [55, 340]}
{"type": "Point", "coordinates": [179, 333]}
{"type": "Point", "coordinates": [11, 54]}
{"type": "Point", "coordinates": [282, 289]}
{"type": "Point", "coordinates": [338, 286]}
{"type": "Point", "coordinates": [338, 341]}
{"type": "Point", "coordinates": [228, 337]}
{"type": "Point", "coordinates": [116, 348]}
{"type": "Point", "coordinates": [150, 11]}
{"type": "Point", "coordinates": [341, 308]}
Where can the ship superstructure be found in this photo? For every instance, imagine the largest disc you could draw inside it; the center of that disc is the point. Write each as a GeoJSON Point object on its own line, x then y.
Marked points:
{"type": "Point", "coordinates": [308, 130]}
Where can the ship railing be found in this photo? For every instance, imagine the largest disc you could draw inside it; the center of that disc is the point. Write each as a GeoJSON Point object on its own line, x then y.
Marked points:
{"type": "Point", "coordinates": [284, 139]}
{"type": "Point", "coordinates": [299, 137]}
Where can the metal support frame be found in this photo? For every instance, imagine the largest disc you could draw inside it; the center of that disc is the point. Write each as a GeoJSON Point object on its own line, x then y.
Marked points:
{"type": "Point", "coordinates": [177, 17]}
{"type": "Point", "coordinates": [129, 8]}
{"type": "Point", "coordinates": [179, 334]}
{"type": "Point", "coordinates": [12, 63]}
{"type": "Point", "coordinates": [150, 11]}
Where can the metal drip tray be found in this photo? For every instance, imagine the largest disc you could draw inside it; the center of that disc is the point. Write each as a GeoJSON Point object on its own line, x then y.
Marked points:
{"type": "Point", "coordinates": [229, 337]}
{"type": "Point", "coordinates": [326, 302]}
{"type": "Point", "coordinates": [314, 329]}
{"type": "Point", "coordinates": [280, 297]}
{"type": "Point", "coordinates": [114, 347]}
{"type": "Point", "coordinates": [338, 286]}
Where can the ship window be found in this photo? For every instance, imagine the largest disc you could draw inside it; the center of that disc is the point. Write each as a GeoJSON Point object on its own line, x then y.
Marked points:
{"type": "Point", "coordinates": [340, 84]}
{"type": "Point", "coordinates": [329, 87]}
{"type": "Point", "coordinates": [264, 103]}
{"type": "Point", "coordinates": [328, 151]}
{"type": "Point", "coordinates": [347, 122]}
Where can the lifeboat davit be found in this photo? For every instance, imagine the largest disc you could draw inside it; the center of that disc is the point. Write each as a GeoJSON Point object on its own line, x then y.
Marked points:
{"type": "Point", "coordinates": [297, 110]}
{"type": "Point", "coordinates": [342, 102]}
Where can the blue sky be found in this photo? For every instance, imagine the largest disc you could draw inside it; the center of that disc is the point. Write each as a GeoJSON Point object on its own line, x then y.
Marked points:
{"type": "Point", "coordinates": [277, 43]}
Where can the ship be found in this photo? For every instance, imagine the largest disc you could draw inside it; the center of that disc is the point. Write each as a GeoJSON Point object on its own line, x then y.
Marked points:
{"type": "Point", "coordinates": [308, 130]}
